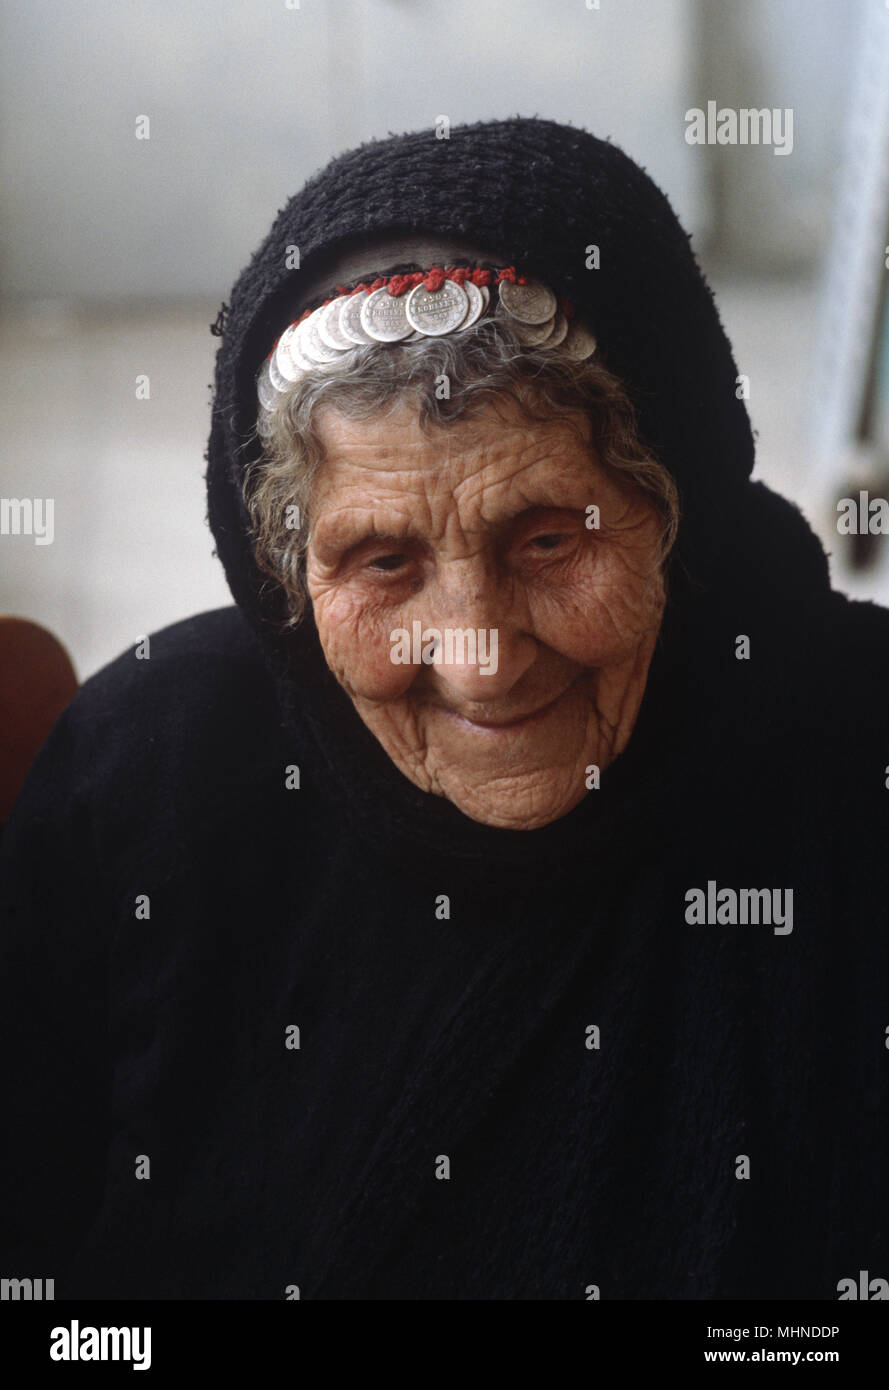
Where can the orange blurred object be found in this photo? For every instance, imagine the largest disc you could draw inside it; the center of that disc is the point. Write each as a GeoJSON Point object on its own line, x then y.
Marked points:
{"type": "Point", "coordinates": [37, 681]}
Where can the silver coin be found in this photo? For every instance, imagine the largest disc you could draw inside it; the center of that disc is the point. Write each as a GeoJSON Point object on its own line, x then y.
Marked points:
{"type": "Point", "coordinates": [268, 396]}
{"type": "Point", "coordinates": [300, 351]}
{"type": "Point", "coordinates": [298, 344]}
{"type": "Point", "coordinates": [309, 343]}
{"type": "Point", "coordinates": [288, 335]}
{"type": "Point", "coordinates": [320, 349]}
{"type": "Point", "coordinates": [278, 380]}
{"type": "Point", "coordinates": [294, 353]}
{"type": "Point", "coordinates": [559, 330]}
{"type": "Point", "coordinates": [298, 366]}
{"type": "Point", "coordinates": [476, 304]}
{"type": "Point", "coordinates": [532, 334]}
{"type": "Point", "coordinates": [486, 295]}
{"type": "Point", "coordinates": [532, 302]}
{"type": "Point", "coordinates": [436, 312]}
{"type": "Point", "coordinates": [579, 342]}
{"type": "Point", "coordinates": [383, 316]}
{"type": "Point", "coordinates": [350, 319]}
{"type": "Point", "coordinates": [287, 365]}
{"type": "Point", "coordinates": [329, 327]}
{"type": "Point", "coordinates": [290, 369]}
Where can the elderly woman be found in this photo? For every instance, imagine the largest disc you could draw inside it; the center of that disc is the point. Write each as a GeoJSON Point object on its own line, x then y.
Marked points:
{"type": "Point", "coordinates": [491, 905]}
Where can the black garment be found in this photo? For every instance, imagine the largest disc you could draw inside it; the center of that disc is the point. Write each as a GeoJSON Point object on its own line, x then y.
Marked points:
{"type": "Point", "coordinates": [425, 1037]}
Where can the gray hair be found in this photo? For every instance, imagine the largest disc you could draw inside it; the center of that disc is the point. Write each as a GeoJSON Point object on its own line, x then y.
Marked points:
{"type": "Point", "coordinates": [448, 378]}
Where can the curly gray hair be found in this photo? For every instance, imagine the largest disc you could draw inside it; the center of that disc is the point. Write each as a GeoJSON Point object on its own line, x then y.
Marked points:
{"type": "Point", "coordinates": [447, 378]}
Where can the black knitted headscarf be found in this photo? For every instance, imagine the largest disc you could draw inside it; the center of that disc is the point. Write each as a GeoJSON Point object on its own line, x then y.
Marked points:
{"type": "Point", "coordinates": [542, 195]}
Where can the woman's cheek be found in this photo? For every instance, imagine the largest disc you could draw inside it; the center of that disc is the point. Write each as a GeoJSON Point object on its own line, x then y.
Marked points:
{"type": "Point", "coordinates": [356, 637]}
{"type": "Point", "coordinates": [600, 613]}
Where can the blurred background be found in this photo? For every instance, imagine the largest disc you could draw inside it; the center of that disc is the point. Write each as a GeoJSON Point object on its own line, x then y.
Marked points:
{"type": "Point", "coordinates": [116, 251]}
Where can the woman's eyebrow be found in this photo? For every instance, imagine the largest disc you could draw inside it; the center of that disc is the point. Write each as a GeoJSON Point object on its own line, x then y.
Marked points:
{"type": "Point", "coordinates": [345, 535]}
{"type": "Point", "coordinates": [536, 508]}
{"type": "Point", "coordinates": [531, 511]}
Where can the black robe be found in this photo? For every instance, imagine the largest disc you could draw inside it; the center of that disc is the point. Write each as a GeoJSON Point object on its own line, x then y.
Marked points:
{"type": "Point", "coordinates": [575, 1159]}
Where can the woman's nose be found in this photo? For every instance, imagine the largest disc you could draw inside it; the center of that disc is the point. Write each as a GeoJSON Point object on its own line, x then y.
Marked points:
{"type": "Point", "coordinates": [482, 646]}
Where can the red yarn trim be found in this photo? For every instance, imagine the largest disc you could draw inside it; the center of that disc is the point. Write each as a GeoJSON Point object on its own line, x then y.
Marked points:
{"type": "Point", "coordinates": [433, 278]}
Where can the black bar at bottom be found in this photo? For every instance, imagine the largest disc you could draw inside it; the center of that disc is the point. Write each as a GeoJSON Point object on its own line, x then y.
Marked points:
{"type": "Point", "coordinates": [225, 1338]}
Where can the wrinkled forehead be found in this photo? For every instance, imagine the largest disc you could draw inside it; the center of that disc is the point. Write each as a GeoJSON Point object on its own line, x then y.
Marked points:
{"type": "Point", "coordinates": [393, 252]}
{"type": "Point", "coordinates": [485, 471]}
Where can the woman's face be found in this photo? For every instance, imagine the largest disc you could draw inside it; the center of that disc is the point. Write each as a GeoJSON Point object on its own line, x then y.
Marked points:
{"type": "Point", "coordinates": [475, 534]}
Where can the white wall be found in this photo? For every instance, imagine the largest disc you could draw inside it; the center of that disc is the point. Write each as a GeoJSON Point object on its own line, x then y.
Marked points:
{"type": "Point", "coordinates": [115, 253]}
{"type": "Point", "coordinates": [247, 98]}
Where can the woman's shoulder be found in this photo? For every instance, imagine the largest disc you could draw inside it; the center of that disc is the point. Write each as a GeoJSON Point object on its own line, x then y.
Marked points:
{"type": "Point", "coordinates": [198, 674]}
{"type": "Point", "coordinates": [184, 708]}
{"type": "Point", "coordinates": [182, 656]}
{"type": "Point", "coordinates": [857, 651]}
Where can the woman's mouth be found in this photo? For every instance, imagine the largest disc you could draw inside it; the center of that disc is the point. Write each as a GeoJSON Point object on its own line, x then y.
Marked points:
{"type": "Point", "coordinates": [507, 724]}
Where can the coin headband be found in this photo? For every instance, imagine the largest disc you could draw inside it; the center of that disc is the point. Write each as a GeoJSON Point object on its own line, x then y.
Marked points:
{"type": "Point", "coordinates": [396, 309]}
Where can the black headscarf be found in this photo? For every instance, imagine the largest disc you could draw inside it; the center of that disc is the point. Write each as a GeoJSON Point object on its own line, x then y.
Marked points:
{"type": "Point", "coordinates": [544, 195]}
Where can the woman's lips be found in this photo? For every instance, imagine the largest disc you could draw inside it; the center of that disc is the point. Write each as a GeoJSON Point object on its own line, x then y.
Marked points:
{"type": "Point", "coordinates": [511, 725]}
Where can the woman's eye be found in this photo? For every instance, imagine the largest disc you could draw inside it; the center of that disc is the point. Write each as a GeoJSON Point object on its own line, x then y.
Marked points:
{"type": "Point", "coordinates": [388, 562]}
{"type": "Point", "coordinates": [548, 542]}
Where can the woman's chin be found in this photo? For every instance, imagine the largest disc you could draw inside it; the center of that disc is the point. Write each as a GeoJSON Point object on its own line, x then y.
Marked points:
{"type": "Point", "coordinates": [519, 773]}
{"type": "Point", "coordinates": [519, 802]}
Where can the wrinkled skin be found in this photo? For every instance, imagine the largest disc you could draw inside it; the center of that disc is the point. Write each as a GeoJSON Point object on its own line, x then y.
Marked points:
{"type": "Point", "coordinates": [482, 524]}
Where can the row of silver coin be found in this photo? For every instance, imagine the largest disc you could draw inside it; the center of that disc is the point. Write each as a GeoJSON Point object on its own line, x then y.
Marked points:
{"type": "Point", "coordinates": [355, 320]}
